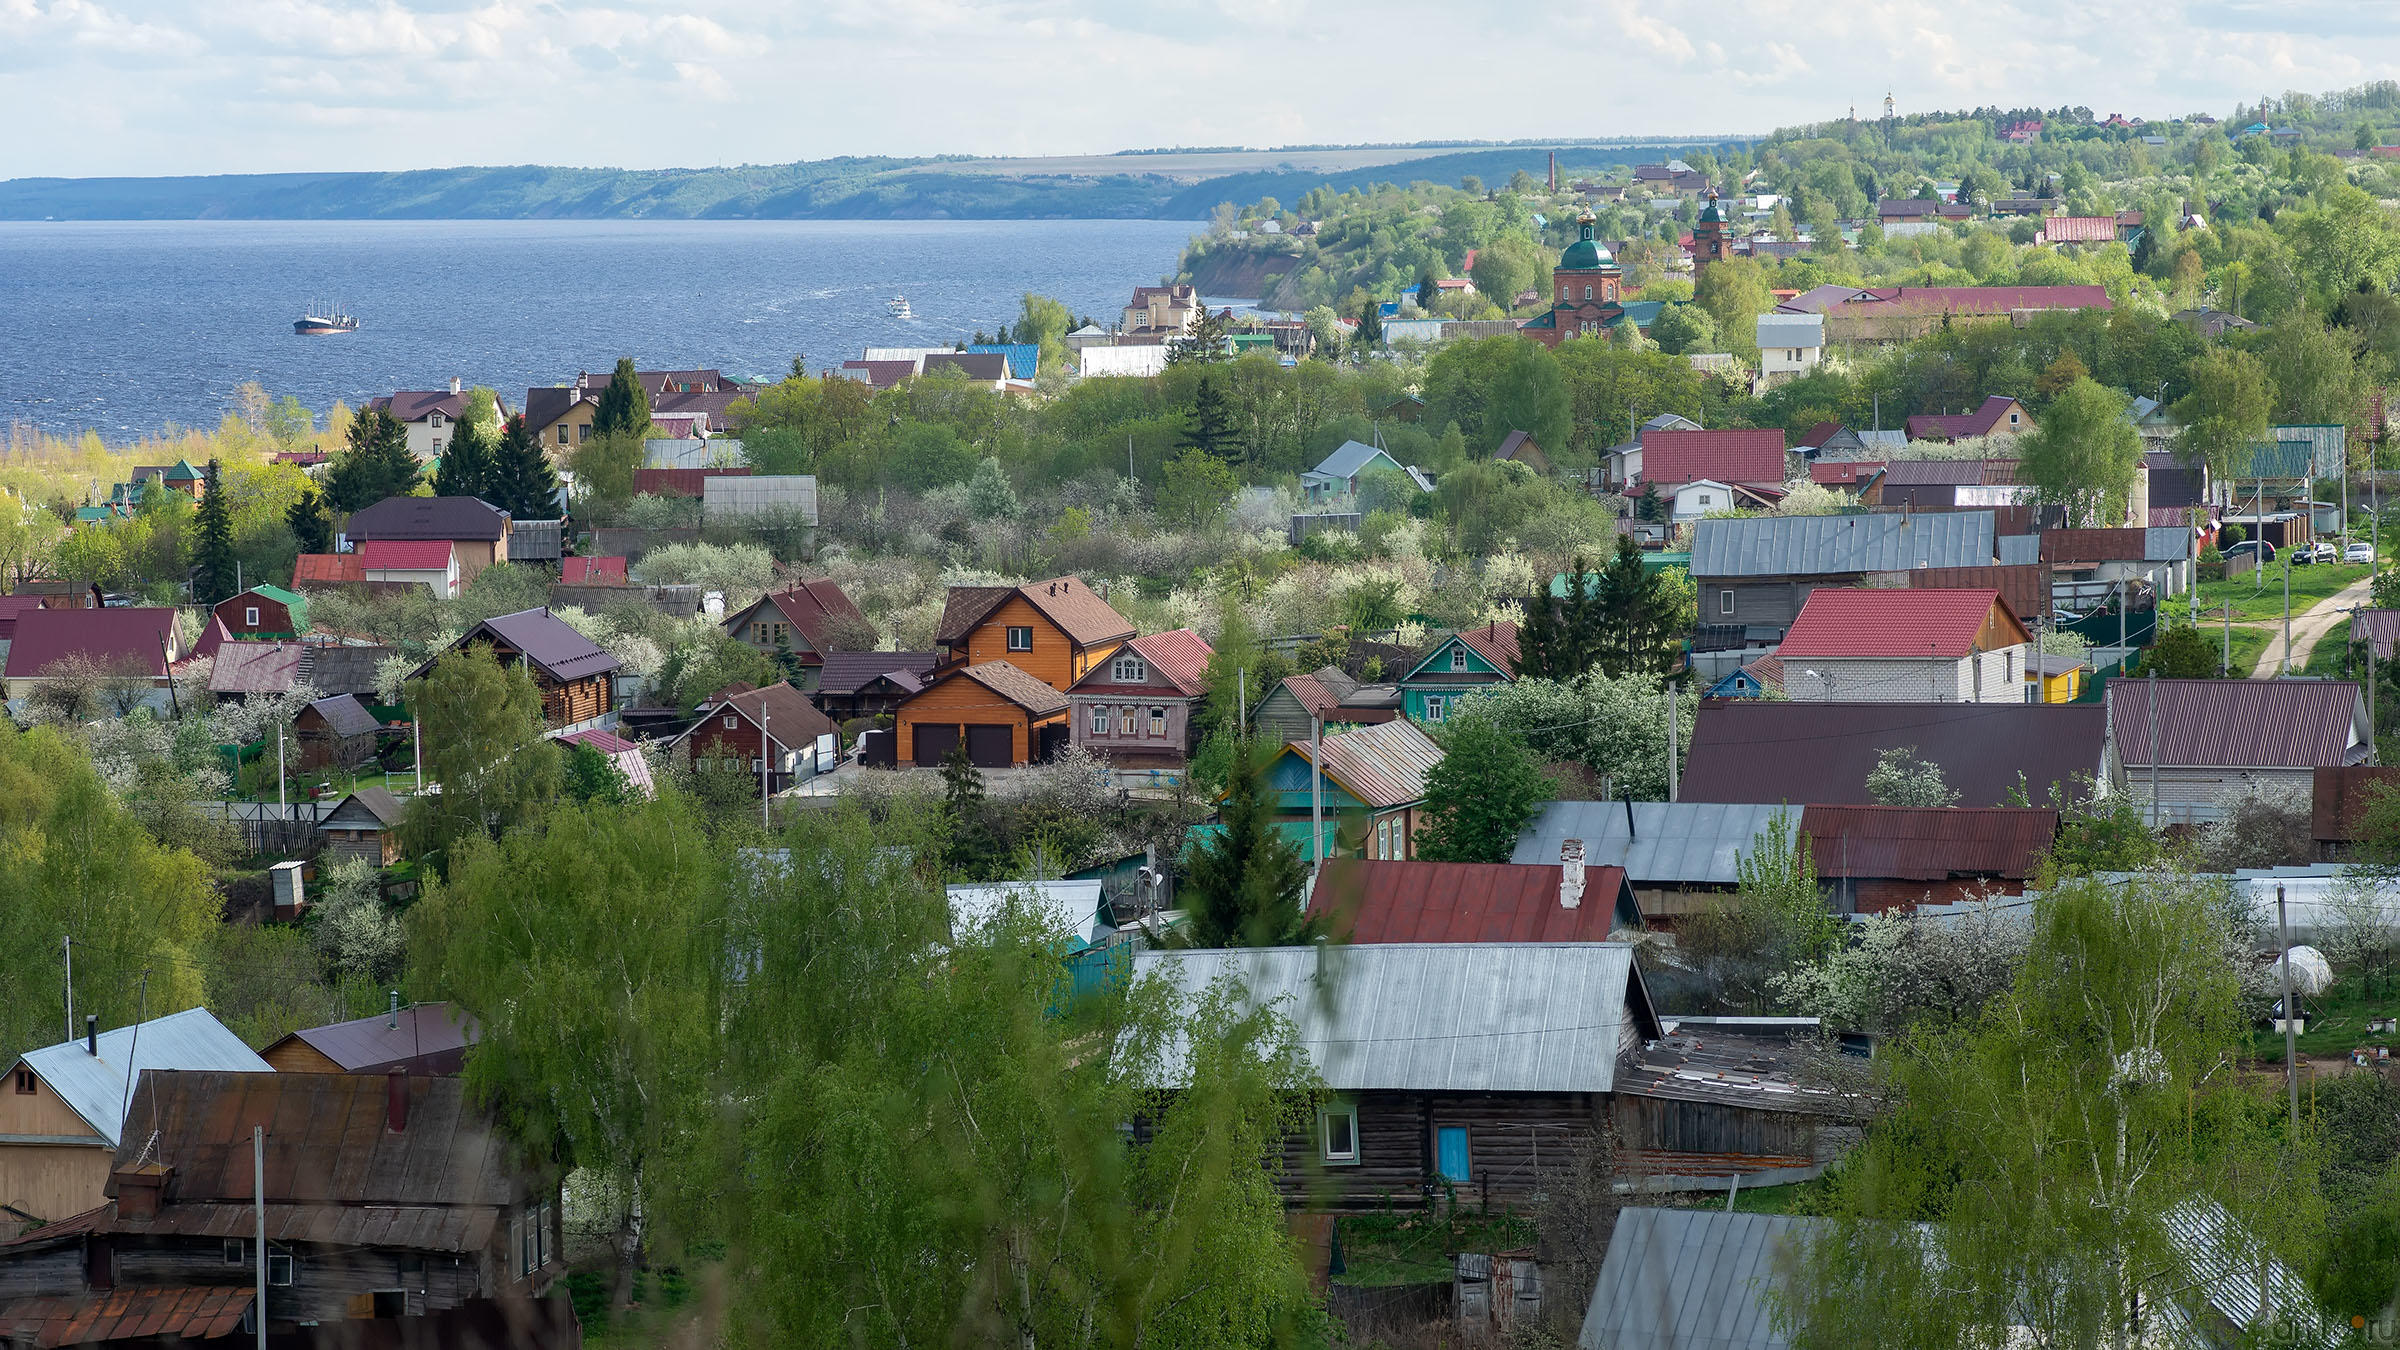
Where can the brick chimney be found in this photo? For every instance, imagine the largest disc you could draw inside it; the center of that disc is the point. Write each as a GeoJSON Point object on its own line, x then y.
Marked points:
{"type": "Point", "coordinates": [395, 1101]}
{"type": "Point", "coordinates": [1570, 874]}
{"type": "Point", "coordinates": [138, 1189]}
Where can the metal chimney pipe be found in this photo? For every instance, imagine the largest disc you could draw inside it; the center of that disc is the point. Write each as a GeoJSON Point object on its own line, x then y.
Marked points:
{"type": "Point", "coordinates": [393, 1021]}
{"type": "Point", "coordinates": [91, 1035]}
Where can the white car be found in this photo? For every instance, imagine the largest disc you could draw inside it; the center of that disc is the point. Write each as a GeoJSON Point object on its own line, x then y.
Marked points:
{"type": "Point", "coordinates": [2361, 552]}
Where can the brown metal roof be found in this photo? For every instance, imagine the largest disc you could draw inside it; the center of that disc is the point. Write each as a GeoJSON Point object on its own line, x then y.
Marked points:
{"type": "Point", "coordinates": [132, 640]}
{"type": "Point", "coordinates": [158, 1316]}
{"type": "Point", "coordinates": [1377, 901]}
{"type": "Point", "coordinates": [2234, 724]}
{"type": "Point", "coordinates": [813, 607]}
{"type": "Point", "coordinates": [2381, 627]}
{"type": "Point", "coordinates": [1078, 611]}
{"type": "Point", "coordinates": [433, 1036]}
{"type": "Point", "coordinates": [1014, 684]}
{"type": "Point", "coordinates": [1928, 843]}
{"type": "Point", "coordinates": [1758, 751]}
{"type": "Point", "coordinates": [964, 607]}
{"type": "Point", "coordinates": [791, 720]}
{"type": "Point", "coordinates": [1382, 765]}
{"type": "Point", "coordinates": [546, 640]}
{"type": "Point", "coordinates": [427, 518]}
{"type": "Point", "coordinates": [2026, 587]}
{"type": "Point", "coordinates": [260, 667]}
{"type": "Point", "coordinates": [2094, 545]}
{"type": "Point", "coordinates": [2342, 796]}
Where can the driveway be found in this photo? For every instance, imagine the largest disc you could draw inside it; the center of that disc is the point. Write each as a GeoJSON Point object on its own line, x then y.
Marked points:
{"type": "Point", "coordinates": [2308, 628]}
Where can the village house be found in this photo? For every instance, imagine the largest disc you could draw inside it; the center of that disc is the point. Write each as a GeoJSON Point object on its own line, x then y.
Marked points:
{"type": "Point", "coordinates": [62, 1115]}
{"type": "Point", "coordinates": [851, 685]}
{"type": "Point", "coordinates": [2087, 567]}
{"type": "Point", "coordinates": [335, 732]}
{"type": "Point", "coordinates": [772, 731]}
{"type": "Point", "coordinates": [1372, 780]}
{"type": "Point", "coordinates": [55, 594]}
{"type": "Point", "coordinates": [1883, 316]}
{"type": "Point", "coordinates": [626, 757]}
{"type": "Point", "coordinates": [1751, 457]}
{"type": "Point", "coordinates": [1561, 900]}
{"type": "Point", "coordinates": [1622, 464]}
{"type": "Point", "coordinates": [1054, 630]}
{"type": "Point", "coordinates": [1135, 709]}
{"type": "Point", "coordinates": [1905, 646]}
{"type": "Point", "coordinates": [577, 679]}
{"type": "Point", "coordinates": [1459, 665]}
{"type": "Point", "coordinates": [1003, 714]}
{"type": "Point", "coordinates": [1519, 447]}
{"type": "Point", "coordinates": [131, 646]}
{"type": "Point", "coordinates": [477, 533]}
{"type": "Point", "coordinates": [1760, 570]}
{"type": "Point", "coordinates": [1678, 857]}
{"type": "Point", "coordinates": [391, 1200]}
{"type": "Point", "coordinates": [694, 402]}
{"type": "Point", "coordinates": [1789, 346]}
{"type": "Point", "coordinates": [431, 417]}
{"type": "Point", "coordinates": [264, 611]}
{"type": "Point", "coordinates": [1752, 750]}
{"type": "Point", "coordinates": [2180, 750]}
{"type": "Point", "coordinates": [1298, 702]}
{"type": "Point", "coordinates": [1950, 484]}
{"type": "Point", "coordinates": [1877, 859]}
{"type": "Point", "coordinates": [431, 563]}
{"type": "Point", "coordinates": [364, 825]}
{"type": "Point", "coordinates": [418, 1038]}
{"type": "Point", "coordinates": [1336, 477]}
{"type": "Point", "coordinates": [798, 626]}
{"type": "Point", "coordinates": [1997, 415]}
{"type": "Point", "coordinates": [246, 670]}
{"type": "Point", "coordinates": [1167, 309]}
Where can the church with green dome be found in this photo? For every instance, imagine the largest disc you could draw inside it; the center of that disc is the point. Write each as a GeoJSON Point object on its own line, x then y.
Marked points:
{"type": "Point", "coordinates": [1586, 299]}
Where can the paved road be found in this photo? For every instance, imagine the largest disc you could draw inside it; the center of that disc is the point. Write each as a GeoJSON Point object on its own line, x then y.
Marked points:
{"type": "Point", "coordinates": [2308, 628]}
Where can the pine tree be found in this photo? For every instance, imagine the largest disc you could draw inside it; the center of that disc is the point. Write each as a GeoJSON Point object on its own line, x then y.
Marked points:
{"type": "Point", "coordinates": [310, 523]}
{"type": "Point", "coordinates": [1632, 618]}
{"type": "Point", "coordinates": [521, 480]}
{"type": "Point", "coordinates": [1244, 888]}
{"type": "Point", "coordinates": [466, 469]}
{"type": "Point", "coordinates": [1369, 334]}
{"type": "Point", "coordinates": [1210, 430]}
{"type": "Point", "coordinates": [624, 404]}
{"type": "Point", "coordinates": [375, 464]}
{"type": "Point", "coordinates": [970, 850]}
{"type": "Point", "coordinates": [212, 549]}
{"type": "Point", "coordinates": [1559, 639]}
{"type": "Point", "coordinates": [1201, 344]}
{"type": "Point", "coordinates": [1428, 291]}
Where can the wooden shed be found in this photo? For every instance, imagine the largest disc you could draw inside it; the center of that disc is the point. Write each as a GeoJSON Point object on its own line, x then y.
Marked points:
{"type": "Point", "coordinates": [576, 677]}
{"type": "Point", "coordinates": [365, 824]}
{"type": "Point", "coordinates": [336, 732]}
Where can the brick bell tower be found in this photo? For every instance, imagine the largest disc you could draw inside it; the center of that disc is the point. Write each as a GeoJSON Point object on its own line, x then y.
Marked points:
{"type": "Point", "coordinates": [1709, 240]}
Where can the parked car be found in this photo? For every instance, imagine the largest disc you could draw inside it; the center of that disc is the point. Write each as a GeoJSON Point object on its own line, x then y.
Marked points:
{"type": "Point", "coordinates": [2360, 552]}
{"type": "Point", "coordinates": [2252, 548]}
{"type": "Point", "coordinates": [2318, 552]}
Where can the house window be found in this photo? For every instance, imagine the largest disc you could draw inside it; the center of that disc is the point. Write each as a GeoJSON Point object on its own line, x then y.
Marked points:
{"type": "Point", "coordinates": [1433, 707]}
{"type": "Point", "coordinates": [1099, 720]}
{"type": "Point", "coordinates": [282, 1269]}
{"type": "Point", "coordinates": [1383, 839]}
{"type": "Point", "coordinates": [732, 721]}
{"type": "Point", "coordinates": [1707, 499]}
{"type": "Point", "coordinates": [529, 1246]}
{"type": "Point", "coordinates": [1158, 721]}
{"type": "Point", "coordinates": [234, 1251]}
{"type": "Point", "coordinates": [1129, 670]}
{"type": "Point", "coordinates": [1337, 1133]}
{"type": "Point", "coordinates": [250, 616]}
{"type": "Point", "coordinates": [433, 419]}
{"type": "Point", "coordinates": [583, 433]}
{"type": "Point", "coordinates": [26, 1081]}
{"type": "Point", "coordinates": [757, 765]}
{"type": "Point", "coordinates": [542, 1254]}
{"type": "Point", "coordinates": [1125, 720]}
{"type": "Point", "coordinates": [437, 445]}
{"type": "Point", "coordinates": [1724, 602]}
{"type": "Point", "coordinates": [1458, 658]}
{"type": "Point", "coordinates": [562, 433]}
{"type": "Point", "coordinates": [1020, 639]}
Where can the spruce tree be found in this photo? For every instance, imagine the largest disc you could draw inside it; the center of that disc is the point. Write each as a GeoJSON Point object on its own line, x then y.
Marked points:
{"type": "Point", "coordinates": [1210, 429]}
{"type": "Point", "coordinates": [212, 548]}
{"type": "Point", "coordinates": [466, 469]}
{"type": "Point", "coordinates": [310, 523]}
{"type": "Point", "coordinates": [1245, 886]}
{"type": "Point", "coordinates": [521, 480]}
{"type": "Point", "coordinates": [1369, 334]}
{"type": "Point", "coordinates": [1201, 344]}
{"type": "Point", "coordinates": [624, 404]}
{"type": "Point", "coordinates": [375, 464]}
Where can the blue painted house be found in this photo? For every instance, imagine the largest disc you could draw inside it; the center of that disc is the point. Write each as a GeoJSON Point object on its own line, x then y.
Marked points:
{"type": "Point", "coordinates": [1462, 664]}
{"type": "Point", "coordinates": [1374, 775]}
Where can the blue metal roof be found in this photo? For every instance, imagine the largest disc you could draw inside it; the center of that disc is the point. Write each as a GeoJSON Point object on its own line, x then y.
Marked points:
{"type": "Point", "coordinates": [1024, 358]}
{"type": "Point", "coordinates": [97, 1087]}
{"type": "Point", "coordinates": [1689, 842]}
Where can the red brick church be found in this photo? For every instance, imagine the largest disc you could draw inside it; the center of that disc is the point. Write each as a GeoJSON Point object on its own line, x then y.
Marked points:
{"type": "Point", "coordinates": [1585, 299]}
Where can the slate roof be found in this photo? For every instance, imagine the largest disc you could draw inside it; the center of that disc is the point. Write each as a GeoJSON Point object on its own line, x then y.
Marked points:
{"type": "Point", "coordinates": [1928, 844]}
{"type": "Point", "coordinates": [377, 802]}
{"type": "Point", "coordinates": [170, 1315]}
{"type": "Point", "coordinates": [1364, 900]}
{"type": "Point", "coordinates": [973, 365]}
{"type": "Point", "coordinates": [1349, 459]}
{"type": "Point", "coordinates": [547, 641]}
{"type": "Point", "coordinates": [1735, 455]}
{"type": "Point", "coordinates": [1675, 843]}
{"type": "Point", "coordinates": [1866, 623]}
{"type": "Point", "coordinates": [435, 1032]}
{"type": "Point", "coordinates": [134, 639]}
{"type": "Point", "coordinates": [1744, 750]}
{"type": "Point", "coordinates": [1693, 1279]}
{"type": "Point", "coordinates": [2235, 724]}
{"type": "Point", "coordinates": [338, 668]}
{"type": "Point", "coordinates": [428, 518]}
{"type": "Point", "coordinates": [1435, 1017]}
{"type": "Point", "coordinates": [1383, 765]}
{"type": "Point", "coordinates": [847, 672]}
{"type": "Point", "coordinates": [1768, 546]}
{"type": "Point", "coordinates": [94, 1086]}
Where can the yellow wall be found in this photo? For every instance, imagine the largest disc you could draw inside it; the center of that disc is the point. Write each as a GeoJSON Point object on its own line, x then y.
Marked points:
{"type": "Point", "coordinates": [57, 1176]}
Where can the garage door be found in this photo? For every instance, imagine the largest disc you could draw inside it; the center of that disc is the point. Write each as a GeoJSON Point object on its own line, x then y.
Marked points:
{"type": "Point", "coordinates": [933, 744]}
{"type": "Point", "coordinates": [990, 747]}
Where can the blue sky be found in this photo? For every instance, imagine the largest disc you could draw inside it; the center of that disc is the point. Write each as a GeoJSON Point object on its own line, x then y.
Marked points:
{"type": "Point", "coordinates": [214, 86]}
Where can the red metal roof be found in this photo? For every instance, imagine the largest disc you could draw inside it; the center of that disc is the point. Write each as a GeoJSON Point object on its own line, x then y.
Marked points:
{"type": "Point", "coordinates": [2234, 724]}
{"type": "Point", "coordinates": [1960, 426]}
{"type": "Point", "coordinates": [2079, 229]}
{"type": "Point", "coordinates": [1911, 843]}
{"type": "Point", "coordinates": [1733, 455]}
{"type": "Point", "coordinates": [1378, 902]}
{"type": "Point", "coordinates": [131, 640]}
{"type": "Point", "coordinates": [404, 555]}
{"type": "Point", "coordinates": [1176, 660]}
{"type": "Point", "coordinates": [10, 607]}
{"type": "Point", "coordinates": [592, 571]}
{"type": "Point", "coordinates": [1495, 642]}
{"type": "Point", "coordinates": [1844, 473]}
{"type": "Point", "coordinates": [1936, 624]}
{"type": "Point", "coordinates": [1991, 300]}
{"type": "Point", "coordinates": [815, 607]}
{"type": "Point", "coordinates": [197, 1313]}
{"type": "Point", "coordinates": [327, 569]}
{"type": "Point", "coordinates": [682, 482]}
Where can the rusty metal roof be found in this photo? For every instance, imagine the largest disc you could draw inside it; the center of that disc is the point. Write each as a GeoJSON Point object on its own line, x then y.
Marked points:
{"type": "Point", "coordinates": [2236, 724]}
{"type": "Point", "coordinates": [1754, 750]}
{"type": "Point", "coordinates": [1383, 765]}
{"type": "Point", "coordinates": [1374, 901]}
{"type": "Point", "coordinates": [162, 1315]}
{"type": "Point", "coordinates": [1909, 843]}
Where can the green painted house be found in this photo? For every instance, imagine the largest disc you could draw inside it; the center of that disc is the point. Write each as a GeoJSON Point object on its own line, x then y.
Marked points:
{"type": "Point", "coordinates": [1461, 664]}
{"type": "Point", "coordinates": [1373, 784]}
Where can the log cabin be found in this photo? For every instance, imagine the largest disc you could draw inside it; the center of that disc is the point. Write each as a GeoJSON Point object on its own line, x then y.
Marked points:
{"type": "Point", "coordinates": [1053, 630]}
{"type": "Point", "coordinates": [577, 679]}
{"type": "Point", "coordinates": [365, 825]}
{"type": "Point", "coordinates": [335, 732]}
{"type": "Point", "coordinates": [799, 626]}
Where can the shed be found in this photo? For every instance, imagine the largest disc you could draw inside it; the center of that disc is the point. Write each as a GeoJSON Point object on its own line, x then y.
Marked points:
{"type": "Point", "coordinates": [264, 612]}
{"type": "Point", "coordinates": [365, 824]}
{"type": "Point", "coordinates": [573, 673]}
{"type": "Point", "coordinates": [254, 669]}
{"type": "Point", "coordinates": [427, 1038]}
{"type": "Point", "coordinates": [336, 731]}
{"type": "Point", "coordinates": [793, 496]}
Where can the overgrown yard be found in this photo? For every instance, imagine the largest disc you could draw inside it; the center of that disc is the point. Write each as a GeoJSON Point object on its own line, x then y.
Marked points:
{"type": "Point", "coordinates": [1415, 1247]}
{"type": "Point", "coordinates": [2259, 594]}
{"type": "Point", "coordinates": [2337, 1021]}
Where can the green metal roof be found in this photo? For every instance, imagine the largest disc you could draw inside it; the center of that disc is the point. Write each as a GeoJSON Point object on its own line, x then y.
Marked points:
{"type": "Point", "coordinates": [292, 601]}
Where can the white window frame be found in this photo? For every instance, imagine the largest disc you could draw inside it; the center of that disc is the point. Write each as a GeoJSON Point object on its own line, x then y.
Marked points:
{"type": "Point", "coordinates": [290, 1265]}
{"type": "Point", "coordinates": [1158, 722]}
{"type": "Point", "coordinates": [1725, 602]}
{"type": "Point", "coordinates": [1129, 670]}
{"type": "Point", "coordinates": [1383, 839]}
{"type": "Point", "coordinates": [1433, 707]}
{"type": "Point", "coordinates": [1458, 658]}
{"type": "Point", "coordinates": [1027, 630]}
{"type": "Point", "coordinates": [1326, 1115]}
{"type": "Point", "coordinates": [732, 722]}
{"type": "Point", "coordinates": [250, 616]}
{"type": "Point", "coordinates": [1099, 719]}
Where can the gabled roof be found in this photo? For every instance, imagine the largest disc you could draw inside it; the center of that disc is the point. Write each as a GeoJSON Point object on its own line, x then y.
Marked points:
{"type": "Point", "coordinates": [964, 608]}
{"type": "Point", "coordinates": [373, 1044]}
{"type": "Point", "coordinates": [1767, 546]}
{"type": "Point", "coordinates": [547, 641]}
{"type": "Point", "coordinates": [1839, 622]}
{"type": "Point", "coordinates": [94, 1086]}
{"type": "Point", "coordinates": [291, 600]}
{"type": "Point", "coordinates": [1695, 1279]}
{"type": "Point", "coordinates": [848, 672]}
{"type": "Point", "coordinates": [1495, 642]}
{"type": "Point", "coordinates": [1351, 458]}
{"type": "Point", "coordinates": [133, 640]}
{"type": "Point", "coordinates": [428, 518]}
{"type": "Point", "coordinates": [376, 802]}
{"type": "Point", "coordinates": [1959, 426]}
{"type": "Point", "coordinates": [404, 555]}
{"type": "Point", "coordinates": [2236, 724]}
{"type": "Point", "coordinates": [581, 571]}
{"type": "Point", "coordinates": [414, 405]}
{"type": "Point", "coordinates": [338, 668]}
{"type": "Point", "coordinates": [1435, 1017]}
{"type": "Point", "coordinates": [1384, 901]}
{"type": "Point", "coordinates": [1175, 659]}
{"type": "Point", "coordinates": [327, 569]}
{"type": "Point", "coordinates": [1383, 765]}
{"type": "Point", "coordinates": [2168, 543]}
{"type": "Point", "coordinates": [345, 715]}
{"type": "Point", "coordinates": [260, 667]}
{"type": "Point", "coordinates": [1011, 683]}
{"type": "Point", "coordinates": [813, 607]}
{"type": "Point", "coordinates": [1678, 843]}
{"type": "Point", "coordinates": [791, 720]}
{"type": "Point", "coordinates": [1078, 610]}
{"type": "Point", "coordinates": [1749, 750]}
{"type": "Point", "coordinates": [1928, 843]}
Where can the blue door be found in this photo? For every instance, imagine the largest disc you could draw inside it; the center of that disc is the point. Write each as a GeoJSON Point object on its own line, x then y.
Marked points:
{"type": "Point", "coordinates": [1450, 1153]}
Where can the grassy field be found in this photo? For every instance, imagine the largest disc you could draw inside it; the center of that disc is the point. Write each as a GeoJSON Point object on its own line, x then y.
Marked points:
{"type": "Point", "coordinates": [2328, 659]}
{"type": "Point", "coordinates": [2248, 645]}
{"type": "Point", "coordinates": [2259, 595]}
{"type": "Point", "coordinates": [2337, 1023]}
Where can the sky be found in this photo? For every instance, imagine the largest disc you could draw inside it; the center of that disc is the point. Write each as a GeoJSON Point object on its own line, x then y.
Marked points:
{"type": "Point", "coordinates": [141, 87]}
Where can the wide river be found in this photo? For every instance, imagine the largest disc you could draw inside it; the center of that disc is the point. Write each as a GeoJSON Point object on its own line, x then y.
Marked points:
{"type": "Point", "coordinates": [128, 327]}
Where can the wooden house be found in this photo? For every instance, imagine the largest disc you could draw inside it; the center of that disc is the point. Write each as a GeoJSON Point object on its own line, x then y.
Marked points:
{"type": "Point", "coordinates": [421, 1038]}
{"type": "Point", "coordinates": [1053, 630]}
{"type": "Point", "coordinates": [431, 563]}
{"type": "Point", "coordinates": [801, 625]}
{"type": "Point", "coordinates": [365, 824]}
{"type": "Point", "coordinates": [1459, 665]}
{"type": "Point", "coordinates": [1135, 709]}
{"type": "Point", "coordinates": [247, 670]}
{"type": "Point", "coordinates": [1004, 716]}
{"type": "Point", "coordinates": [576, 678]}
{"type": "Point", "coordinates": [64, 594]}
{"type": "Point", "coordinates": [396, 1214]}
{"type": "Point", "coordinates": [746, 727]}
{"type": "Point", "coordinates": [62, 1112]}
{"type": "Point", "coordinates": [335, 732]}
{"type": "Point", "coordinates": [852, 685]}
{"type": "Point", "coordinates": [1757, 571]}
{"type": "Point", "coordinates": [1374, 775]}
{"type": "Point", "coordinates": [264, 611]}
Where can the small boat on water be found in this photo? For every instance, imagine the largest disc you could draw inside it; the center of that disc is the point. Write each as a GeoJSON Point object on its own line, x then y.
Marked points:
{"type": "Point", "coordinates": [323, 323]}
{"type": "Point", "coordinates": [899, 308]}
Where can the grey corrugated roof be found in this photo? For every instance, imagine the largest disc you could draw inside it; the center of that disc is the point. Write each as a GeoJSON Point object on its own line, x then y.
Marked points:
{"type": "Point", "coordinates": [1771, 546]}
{"type": "Point", "coordinates": [93, 1086]}
{"type": "Point", "coordinates": [1693, 1279]}
{"type": "Point", "coordinates": [2020, 550]}
{"type": "Point", "coordinates": [1435, 1017]}
{"type": "Point", "coordinates": [1348, 459]}
{"type": "Point", "coordinates": [1791, 330]}
{"type": "Point", "coordinates": [2166, 543]}
{"type": "Point", "coordinates": [1698, 843]}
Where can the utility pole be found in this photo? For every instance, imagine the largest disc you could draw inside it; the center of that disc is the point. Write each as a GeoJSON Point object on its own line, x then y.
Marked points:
{"type": "Point", "coordinates": [765, 767]}
{"type": "Point", "coordinates": [416, 725]}
{"type": "Point", "coordinates": [2286, 667]}
{"type": "Point", "coordinates": [2153, 748]}
{"type": "Point", "coordinates": [1672, 746]}
{"type": "Point", "coordinates": [1316, 796]}
{"type": "Point", "coordinates": [281, 807]}
{"type": "Point", "coordinates": [2291, 1033]}
{"type": "Point", "coordinates": [69, 941]}
{"type": "Point", "coordinates": [258, 1203]}
{"type": "Point", "coordinates": [2225, 667]}
{"type": "Point", "coordinates": [1241, 706]}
